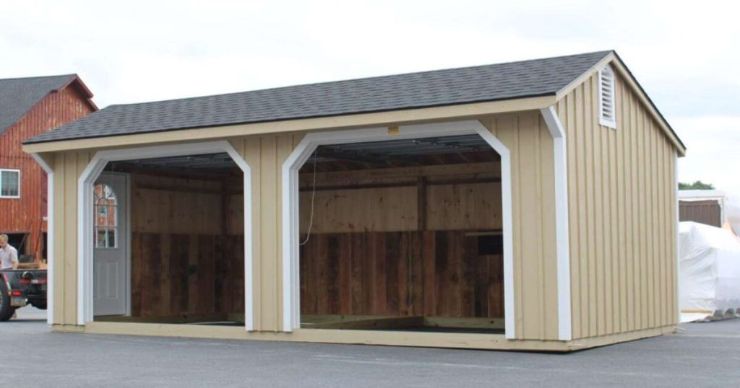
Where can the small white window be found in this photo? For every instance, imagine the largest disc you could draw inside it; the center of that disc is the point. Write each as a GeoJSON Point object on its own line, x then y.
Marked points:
{"type": "Point", "coordinates": [607, 108]}
{"type": "Point", "coordinates": [10, 183]}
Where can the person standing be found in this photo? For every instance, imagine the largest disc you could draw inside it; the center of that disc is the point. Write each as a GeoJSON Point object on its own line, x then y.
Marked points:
{"type": "Point", "coordinates": [8, 254]}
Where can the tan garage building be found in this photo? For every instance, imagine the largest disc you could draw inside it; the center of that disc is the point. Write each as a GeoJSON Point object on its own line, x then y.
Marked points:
{"type": "Point", "coordinates": [527, 205]}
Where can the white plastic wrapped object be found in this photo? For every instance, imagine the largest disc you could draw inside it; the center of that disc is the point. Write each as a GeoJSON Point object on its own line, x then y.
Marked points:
{"type": "Point", "coordinates": [709, 271]}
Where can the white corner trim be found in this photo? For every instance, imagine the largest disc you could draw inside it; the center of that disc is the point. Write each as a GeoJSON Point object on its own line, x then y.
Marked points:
{"type": "Point", "coordinates": [677, 220]}
{"type": "Point", "coordinates": [248, 246]}
{"type": "Point", "coordinates": [290, 199]}
{"type": "Point", "coordinates": [85, 239]}
{"type": "Point", "coordinates": [85, 216]}
{"type": "Point", "coordinates": [49, 236]}
{"type": "Point", "coordinates": [508, 226]}
{"type": "Point", "coordinates": [560, 165]}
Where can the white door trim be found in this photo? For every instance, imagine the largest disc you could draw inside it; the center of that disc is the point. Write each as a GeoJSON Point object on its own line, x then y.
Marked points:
{"type": "Point", "coordinates": [49, 236]}
{"type": "Point", "coordinates": [290, 200]}
{"type": "Point", "coordinates": [560, 166]}
{"type": "Point", "coordinates": [85, 215]}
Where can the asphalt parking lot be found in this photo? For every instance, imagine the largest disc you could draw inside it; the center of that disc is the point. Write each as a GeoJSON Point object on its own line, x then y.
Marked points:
{"type": "Point", "coordinates": [701, 354]}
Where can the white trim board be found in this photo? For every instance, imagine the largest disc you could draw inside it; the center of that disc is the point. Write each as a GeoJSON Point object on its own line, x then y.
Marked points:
{"type": "Point", "coordinates": [677, 222]}
{"type": "Point", "coordinates": [49, 236]}
{"type": "Point", "coordinates": [290, 199]}
{"type": "Point", "coordinates": [560, 166]}
{"type": "Point", "coordinates": [85, 216]}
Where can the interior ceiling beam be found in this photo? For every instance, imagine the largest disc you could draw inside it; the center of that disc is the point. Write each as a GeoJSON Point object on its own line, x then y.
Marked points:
{"type": "Point", "coordinates": [409, 183]}
{"type": "Point", "coordinates": [209, 161]}
{"type": "Point", "coordinates": [455, 146]}
{"type": "Point", "coordinates": [402, 153]}
{"type": "Point", "coordinates": [370, 158]}
{"type": "Point", "coordinates": [174, 172]}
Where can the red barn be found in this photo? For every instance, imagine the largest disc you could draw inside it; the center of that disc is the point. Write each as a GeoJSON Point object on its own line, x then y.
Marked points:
{"type": "Point", "coordinates": [29, 107]}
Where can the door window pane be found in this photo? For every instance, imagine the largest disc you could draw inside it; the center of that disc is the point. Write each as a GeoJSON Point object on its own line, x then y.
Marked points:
{"type": "Point", "coordinates": [105, 213]}
{"type": "Point", "coordinates": [101, 241]}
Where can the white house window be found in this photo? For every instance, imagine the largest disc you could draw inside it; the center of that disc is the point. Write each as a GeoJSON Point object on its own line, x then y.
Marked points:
{"type": "Point", "coordinates": [106, 217]}
{"type": "Point", "coordinates": [10, 183]}
{"type": "Point", "coordinates": [607, 107]}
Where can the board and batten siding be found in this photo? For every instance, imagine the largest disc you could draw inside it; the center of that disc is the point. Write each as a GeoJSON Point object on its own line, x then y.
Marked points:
{"type": "Point", "coordinates": [622, 215]}
{"type": "Point", "coordinates": [524, 134]}
{"type": "Point", "coordinates": [265, 155]}
{"type": "Point", "coordinates": [533, 215]}
{"type": "Point", "coordinates": [68, 167]}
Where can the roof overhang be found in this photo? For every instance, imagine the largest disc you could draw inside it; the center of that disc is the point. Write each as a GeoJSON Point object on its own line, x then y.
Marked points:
{"type": "Point", "coordinates": [389, 118]}
{"type": "Point", "coordinates": [626, 74]}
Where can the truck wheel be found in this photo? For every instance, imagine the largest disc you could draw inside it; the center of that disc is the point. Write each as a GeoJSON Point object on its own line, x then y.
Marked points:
{"type": "Point", "coordinates": [6, 310]}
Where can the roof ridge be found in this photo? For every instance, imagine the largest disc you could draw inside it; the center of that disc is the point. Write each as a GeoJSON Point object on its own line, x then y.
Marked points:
{"type": "Point", "coordinates": [39, 77]}
{"type": "Point", "coordinates": [19, 95]}
{"type": "Point", "coordinates": [604, 52]}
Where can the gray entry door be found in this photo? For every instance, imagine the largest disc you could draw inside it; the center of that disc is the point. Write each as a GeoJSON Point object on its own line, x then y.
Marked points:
{"type": "Point", "coordinates": [111, 257]}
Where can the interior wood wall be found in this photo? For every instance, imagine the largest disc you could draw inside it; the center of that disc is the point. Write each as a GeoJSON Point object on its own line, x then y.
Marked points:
{"type": "Point", "coordinates": [182, 262]}
{"type": "Point", "coordinates": [178, 275]}
{"type": "Point", "coordinates": [622, 212]}
{"type": "Point", "coordinates": [374, 250]}
{"type": "Point", "coordinates": [430, 273]}
{"type": "Point", "coordinates": [437, 202]}
{"type": "Point", "coordinates": [162, 204]}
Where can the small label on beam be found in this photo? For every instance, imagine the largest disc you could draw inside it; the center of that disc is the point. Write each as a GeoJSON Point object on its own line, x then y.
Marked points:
{"type": "Point", "coordinates": [394, 131]}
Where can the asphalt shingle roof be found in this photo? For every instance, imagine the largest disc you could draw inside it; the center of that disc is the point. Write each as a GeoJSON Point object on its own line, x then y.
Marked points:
{"type": "Point", "coordinates": [503, 81]}
{"type": "Point", "coordinates": [19, 95]}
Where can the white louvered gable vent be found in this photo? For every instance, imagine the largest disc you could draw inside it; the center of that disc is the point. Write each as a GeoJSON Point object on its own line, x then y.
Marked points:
{"type": "Point", "coordinates": [607, 109]}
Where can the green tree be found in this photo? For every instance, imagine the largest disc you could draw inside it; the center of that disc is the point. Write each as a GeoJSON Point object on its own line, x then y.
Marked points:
{"type": "Point", "coordinates": [698, 185]}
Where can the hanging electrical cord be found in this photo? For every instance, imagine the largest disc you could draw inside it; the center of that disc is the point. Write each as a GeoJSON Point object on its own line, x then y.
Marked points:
{"type": "Point", "coordinates": [313, 198]}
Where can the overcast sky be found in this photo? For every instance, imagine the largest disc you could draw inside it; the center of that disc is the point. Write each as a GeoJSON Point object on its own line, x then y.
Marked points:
{"type": "Point", "coordinates": [686, 57]}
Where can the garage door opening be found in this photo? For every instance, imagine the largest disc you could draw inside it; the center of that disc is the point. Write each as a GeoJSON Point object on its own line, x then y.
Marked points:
{"type": "Point", "coordinates": [402, 235]}
{"type": "Point", "coordinates": [168, 241]}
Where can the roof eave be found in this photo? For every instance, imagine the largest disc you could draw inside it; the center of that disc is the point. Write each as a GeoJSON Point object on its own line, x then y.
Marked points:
{"type": "Point", "coordinates": [355, 120]}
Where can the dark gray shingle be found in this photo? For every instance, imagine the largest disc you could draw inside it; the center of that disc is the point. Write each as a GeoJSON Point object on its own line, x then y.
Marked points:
{"type": "Point", "coordinates": [416, 90]}
{"type": "Point", "coordinates": [19, 95]}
